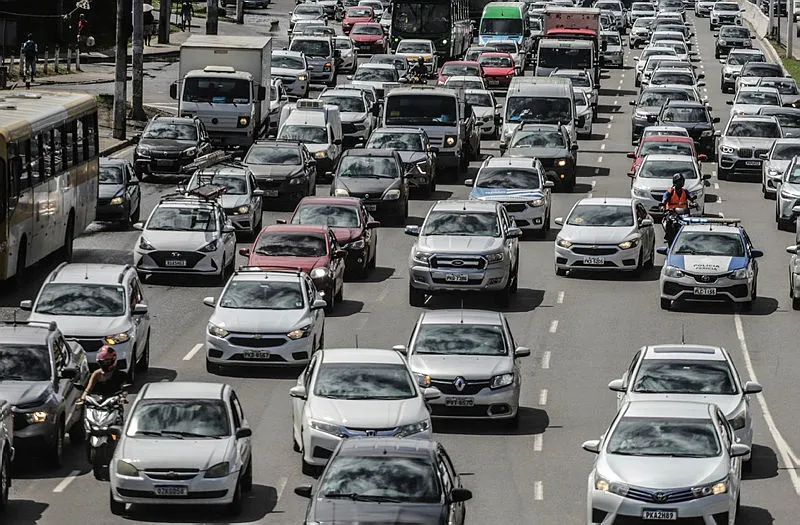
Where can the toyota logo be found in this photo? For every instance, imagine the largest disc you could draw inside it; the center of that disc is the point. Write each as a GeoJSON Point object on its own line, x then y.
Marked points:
{"type": "Point", "coordinates": [660, 497]}
{"type": "Point", "coordinates": [457, 263]}
{"type": "Point", "coordinates": [706, 278]}
{"type": "Point", "coordinates": [459, 383]}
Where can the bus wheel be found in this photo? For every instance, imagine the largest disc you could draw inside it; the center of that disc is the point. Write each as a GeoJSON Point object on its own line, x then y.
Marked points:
{"type": "Point", "coordinates": [21, 261]}
{"type": "Point", "coordinates": [69, 236]}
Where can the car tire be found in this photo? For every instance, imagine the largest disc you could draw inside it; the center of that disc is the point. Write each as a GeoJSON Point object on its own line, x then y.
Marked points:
{"type": "Point", "coordinates": [331, 300]}
{"type": "Point", "coordinates": [561, 272]}
{"type": "Point", "coordinates": [747, 468]}
{"type": "Point", "coordinates": [307, 468]}
{"type": "Point", "coordinates": [223, 272]}
{"type": "Point", "coordinates": [796, 303]}
{"type": "Point", "coordinates": [666, 304]}
{"type": "Point", "coordinates": [5, 480]}
{"type": "Point", "coordinates": [785, 224]}
{"type": "Point", "coordinates": [747, 306]}
{"type": "Point", "coordinates": [137, 213]}
{"type": "Point", "coordinates": [234, 508]}
{"type": "Point", "coordinates": [144, 361]}
{"type": "Point", "coordinates": [416, 297]}
{"type": "Point", "coordinates": [722, 173]}
{"type": "Point", "coordinates": [640, 264]}
{"type": "Point", "coordinates": [55, 452]}
{"type": "Point", "coordinates": [503, 298]}
{"type": "Point", "coordinates": [69, 239]}
{"type": "Point", "coordinates": [340, 295]}
{"type": "Point", "coordinates": [117, 507]}
{"type": "Point", "coordinates": [247, 477]}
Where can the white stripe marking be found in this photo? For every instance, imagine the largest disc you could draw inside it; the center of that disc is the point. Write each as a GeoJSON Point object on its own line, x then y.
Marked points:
{"type": "Point", "coordinates": [196, 348]}
{"type": "Point", "coordinates": [716, 185]}
{"type": "Point", "coordinates": [537, 443]}
{"type": "Point", "coordinates": [66, 481]}
{"type": "Point", "coordinates": [553, 326]}
{"type": "Point", "coordinates": [622, 75]}
{"type": "Point", "coordinates": [281, 486]}
{"type": "Point", "coordinates": [602, 147]}
{"type": "Point", "coordinates": [609, 126]}
{"type": "Point", "coordinates": [593, 183]}
{"type": "Point", "coordinates": [611, 118]}
{"type": "Point", "coordinates": [560, 298]}
{"type": "Point", "coordinates": [538, 490]}
{"type": "Point", "coordinates": [589, 195]}
{"type": "Point", "coordinates": [542, 397]}
{"type": "Point", "coordinates": [599, 160]}
{"type": "Point", "coordinates": [383, 294]}
{"type": "Point", "coordinates": [546, 360]}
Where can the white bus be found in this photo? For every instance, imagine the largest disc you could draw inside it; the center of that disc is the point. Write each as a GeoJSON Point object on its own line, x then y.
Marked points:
{"type": "Point", "coordinates": [49, 173]}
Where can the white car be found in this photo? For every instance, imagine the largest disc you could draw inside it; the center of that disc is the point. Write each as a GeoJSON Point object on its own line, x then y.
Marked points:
{"type": "Point", "coordinates": [640, 9]}
{"type": "Point", "coordinates": [787, 198]}
{"type": "Point", "coordinates": [725, 14]}
{"type": "Point", "coordinates": [749, 100]}
{"type": "Point", "coordinates": [699, 373]}
{"type": "Point", "coordinates": [581, 81]}
{"type": "Point", "coordinates": [278, 97]}
{"type": "Point", "coordinates": [465, 82]}
{"type": "Point", "coordinates": [777, 160]}
{"type": "Point", "coordinates": [677, 131]}
{"type": "Point", "coordinates": [356, 392]}
{"type": "Point", "coordinates": [654, 177]}
{"type": "Point", "coordinates": [264, 318]}
{"type": "Point", "coordinates": [348, 54]}
{"type": "Point", "coordinates": [242, 200]}
{"type": "Point", "coordinates": [584, 109]}
{"type": "Point", "coordinates": [293, 70]}
{"type": "Point", "coordinates": [605, 234]}
{"type": "Point", "coordinates": [413, 49]}
{"type": "Point", "coordinates": [355, 111]}
{"type": "Point", "coordinates": [183, 444]}
{"type": "Point", "coordinates": [486, 110]}
{"type": "Point", "coordinates": [518, 55]}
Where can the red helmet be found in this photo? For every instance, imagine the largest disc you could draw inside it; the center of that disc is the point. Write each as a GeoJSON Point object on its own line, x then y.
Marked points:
{"type": "Point", "coordinates": [107, 358]}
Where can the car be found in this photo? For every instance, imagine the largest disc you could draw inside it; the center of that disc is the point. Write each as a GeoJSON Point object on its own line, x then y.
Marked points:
{"type": "Point", "coordinates": [647, 52]}
{"type": "Point", "coordinates": [352, 393]}
{"type": "Point", "coordinates": [399, 63]}
{"type": "Point", "coordinates": [733, 63]}
{"type": "Point", "coordinates": [742, 142]}
{"type": "Point", "coordinates": [650, 102]}
{"type": "Point", "coordinates": [334, 9]}
{"type": "Point", "coordinates": [647, 468]}
{"type": "Point", "coordinates": [788, 197]}
{"type": "Point", "coordinates": [794, 275]}
{"type": "Point", "coordinates": [671, 131]}
{"type": "Point", "coordinates": [672, 39]}
{"type": "Point", "coordinates": [464, 246]}
{"type": "Point", "coordinates": [787, 88]}
{"type": "Point", "coordinates": [459, 82]}
{"type": "Point", "coordinates": [711, 259]}
{"type": "Point", "coordinates": [513, 48]}
{"type": "Point", "coordinates": [264, 317]}
{"type": "Point", "coordinates": [668, 144]}
{"type": "Point", "coordinates": [38, 373]}
{"type": "Point", "coordinates": [416, 154]}
{"type": "Point", "coordinates": [671, 6]}
{"type": "Point", "coordinates": [471, 357]}
{"type": "Point", "coordinates": [690, 372]}
{"type": "Point", "coordinates": [703, 8]}
{"type": "Point", "coordinates": [203, 454]}
{"type": "Point", "coordinates": [616, 9]}
{"type": "Point", "coordinates": [320, 55]}
{"type": "Point", "coordinates": [307, 11]}
{"type": "Point", "coordinates": [168, 144]}
{"type": "Point", "coordinates": [640, 32]}
{"type": "Point", "coordinates": [354, 228]}
{"type": "Point", "coordinates": [684, 29]}
{"type": "Point", "coordinates": [583, 109]}
{"type": "Point", "coordinates": [119, 196]}
{"type": "Point", "coordinates": [653, 61]}
{"type": "Point", "coordinates": [6, 451]}
{"type": "Point", "coordinates": [412, 49]}
{"type": "Point", "coordinates": [654, 177]}
{"type": "Point", "coordinates": [640, 9]}
{"type": "Point", "coordinates": [581, 81]}
{"type": "Point", "coordinates": [282, 170]}
{"type": "Point", "coordinates": [242, 199]}
{"type": "Point", "coordinates": [732, 37]}
{"type": "Point", "coordinates": [613, 55]}
{"type": "Point", "coordinates": [696, 118]}
{"type": "Point", "coordinates": [278, 98]}
{"type": "Point", "coordinates": [355, 15]}
{"type": "Point", "coordinates": [459, 68]}
{"type": "Point", "coordinates": [376, 5]}
{"type": "Point", "coordinates": [486, 110]}
{"type": "Point", "coordinates": [551, 145]}
{"type": "Point", "coordinates": [378, 76]}
{"type": "Point", "coordinates": [751, 73]}
{"type": "Point", "coordinates": [368, 38]}
{"type": "Point", "coordinates": [499, 69]}
{"type": "Point", "coordinates": [292, 69]}
{"type": "Point", "coordinates": [384, 477]}
{"type": "Point", "coordinates": [356, 112]}
{"type": "Point", "coordinates": [318, 29]}
{"type": "Point", "coordinates": [301, 26]}
{"type": "Point", "coordinates": [605, 234]}
{"type": "Point", "coordinates": [788, 118]}
{"type": "Point", "coordinates": [348, 54]}
{"type": "Point", "coordinates": [521, 186]}
{"type": "Point", "coordinates": [473, 52]}
{"type": "Point", "coordinates": [676, 77]}
{"type": "Point", "coordinates": [776, 161]}
{"type": "Point", "coordinates": [724, 13]}
{"type": "Point", "coordinates": [97, 304]}
{"type": "Point", "coordinates": [187, 233]}
{"type": "Point", "coordinates": [749, 100]}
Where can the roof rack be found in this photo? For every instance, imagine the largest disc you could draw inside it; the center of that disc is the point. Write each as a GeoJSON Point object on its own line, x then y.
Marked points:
{"type": "Point", "coordinates": [206, 192]}
{"type": "Point", "coordinates": [713, 220]}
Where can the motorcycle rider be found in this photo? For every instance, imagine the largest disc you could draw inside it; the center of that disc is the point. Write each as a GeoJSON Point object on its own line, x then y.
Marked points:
{"type": "Point", "coordinates": [106, 380]}
{"type": "Point", "coordinates": [418, 69]}
{"type": "Point", "coordinates": [675, 198]}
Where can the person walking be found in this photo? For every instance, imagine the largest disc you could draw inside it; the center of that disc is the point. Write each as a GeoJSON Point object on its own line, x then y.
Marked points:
{"type": "Point", "coordinates": [186, 17]}
{"type": "Point", "coordinates": [30, 51]}
{"type": "Point", "coordinates": [83, 32]}
{"type": "Point", "coordinates": [148, 21]}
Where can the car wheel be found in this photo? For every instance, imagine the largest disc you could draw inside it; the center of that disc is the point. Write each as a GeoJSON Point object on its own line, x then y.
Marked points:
{"type": "Point", "coordinates": [55, 454]}
{"type": "Point", "coordinates": [5, 480]}
{"type": "Point", "coordinates": [561, 272]}
{"type": "Point", "coordinates": [666, 304]}
{"type": "Point", "coordinates": [503, 297]}
{"type": "Point", "coordinates": [416, 297]}
{"type": "Point", "coordinates": [785, 224]}
{"type": "Point", "coordinates": [137, 213]}
{"type": "Point", "coordinates": [117, 507]}
{"type": "Point", "coordinates": [247, 478]}
{"type": "Point", "coordinates": [640, 264]}
{"type": "Point", "coordinates": [234, 508]}
{"type": "Point", "coordinates": [307, 468]}
{"type": "Point", "coordinates": [331, 300]}
{"type": "Point", "coordinates": [144, 361]}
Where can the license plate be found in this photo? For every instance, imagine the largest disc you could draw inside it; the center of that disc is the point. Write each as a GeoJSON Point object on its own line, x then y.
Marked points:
{"type": "Point", "coordinates": [456, 277]}
{"type": "Point", "coordinates": [256, 354]}
{"type": "Point", "coordinates": [494, 82]}
{"type": "Point", "coordinates": [594, 261]}
{"type": "Point", "coordinates": [171, 491]}
{"type": "Point", "coordinates": [413, 59]}
{"type": "Point", "coordinates": [164, 162]}
{"type": "Point", "coordinates": [175, 262]}
{"type": "Point", "coordinates": [648, 514]}
{"type": "Point", "coordinates": [705, 291]}
{"type": "Point", "coordinates": [271, 193]}
{"type": "Point", "coordinates": [752, 163]}
{"type": "Point", "coordinates": [459, 401]}
{"type": "Point", "coordinates": [371, 207]}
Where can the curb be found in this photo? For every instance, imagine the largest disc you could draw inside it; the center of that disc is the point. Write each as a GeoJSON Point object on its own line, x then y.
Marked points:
{"type": "Point", "coordinates": [118, 147]}
{"type": "Point", "coordinates": [756, 20]}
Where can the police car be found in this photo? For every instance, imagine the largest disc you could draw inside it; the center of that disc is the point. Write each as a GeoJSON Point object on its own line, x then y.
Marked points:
{"type": "Point", "coordinates": [711, 259]}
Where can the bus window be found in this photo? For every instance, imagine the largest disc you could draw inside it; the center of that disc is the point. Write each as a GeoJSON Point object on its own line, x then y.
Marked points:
{"type": "Point", "coordinates": [36, 160]}
{"type": "Point", "coordinates": [3, 191]}
{"type": "Point", "coordinates": [25, 174]}
{"type": "Point", "coordinates": [49, 155]}
{"type": "Point", "coordinates": [68, 144]}
{"type": "Point", "coordinates": [13, 178]}
{"type": "Point", "coordinates": [90, 135]}
{"type": "Point", "coordinates": [80, 144]}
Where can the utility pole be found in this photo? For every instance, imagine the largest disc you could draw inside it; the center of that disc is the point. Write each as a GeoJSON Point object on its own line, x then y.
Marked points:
{"type": "Point", "coordinates": [212, 17]}
{"type": "Point", "coordinates": [791, 26]}
{"type": "Point", "coordinates": [240, 11]}
{"type": "Point", "coordinates": [120, 74]}
{"type": "Point", "coordinates": [137, 62]}
{"type": "Point", "coordinates": [164, 12]}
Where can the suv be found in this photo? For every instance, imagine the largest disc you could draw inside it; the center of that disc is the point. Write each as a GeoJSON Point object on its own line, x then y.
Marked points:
{"type": "Point", "coordinates": [551, 145]}
{"type": "Point", "coordinates": [284, 169]}
{"type": "Point", "coordinates": [98, 304]}
{"type": "Point", "coordinates": [464, 246]}
{"type": "Point", "coordinates": [724, 13]}
{"type": "Point", "coordinates": [6, 451]}
{"type": "Point", "coordinates": [42, 375]}
{"type": "Point", "coordinates": [732, 37]}
{"type": "Point", "coordinates": [732, 66]}
{"type": "Point", "coordinates": [320, 55]}
{"type": "Point", "coordinates": [119, 197]}
{"type": "Point", "coordinates": [743, 142]}
{"type": "Point", "coordinates": [168, 144]}
{"type": "Point", "coordinates": [414, 148]}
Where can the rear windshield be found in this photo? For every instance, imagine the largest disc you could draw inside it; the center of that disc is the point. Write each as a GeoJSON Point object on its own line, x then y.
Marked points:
{"type": "Point", "coordinates": [311, 48]}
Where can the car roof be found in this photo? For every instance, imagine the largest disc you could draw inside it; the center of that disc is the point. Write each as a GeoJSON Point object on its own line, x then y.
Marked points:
{"type": "Point", "coordinates": [387, 447]}
{"type": "Point", "coordinates": [295, 228]}
{"type": "Point", "coordinates": [465, 205]}
{"type": "Point", "coordinates": [172, 120]}
{"type": "Point", "coordinates": [745, 52]}
{"type": "Point", "coordinates": [611, 201]}
{"type": "Point", "coordinates": [399, 129]}
{"type": "Point", "coordinates": [461, 316]}
{"type": "Point", "coordinates": [667, 409]}
{"type": "Point", "coordinates": [667, 138]}
{"type": "Point", "coordinates": [271, 275]}
{"type": "Point", "coordinates": [360, 355]}
{"type": "Point", "coordinates": [515, 162]}
{"type": "Point", "coordinates": [182, 390]}
{"type": "Point", "coordinates": [668, 157]}
{"type": "Point", "coordinates": [526, 126]}
{"type": "Point", "coordinates": [665, 128]}
{"type": "Point", "coordinates": [461, 63]}
{"type": "Point", "coordinates": [346, 201]}
{"type": "Point", "coordinates": [342, 92]}
{"type": "Point", "coordinates": [89, 273]}
{"type": "Point", "coordinates": [685, 352]}
{"type": "Point", "coordinates": [113, 161]}
{"type": "Point", "coordinates": [25, 333]}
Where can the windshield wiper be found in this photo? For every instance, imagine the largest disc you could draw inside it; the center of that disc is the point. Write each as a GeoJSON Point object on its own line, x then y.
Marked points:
{"type": "Point", "coordinates": [189, 434]}
{"type": "Point", "coordinates": [12, 377]}
{"type": "Point", "coordinates": [688, 251]}
{"type": "Point", "coordinates": [362, 497]}
{"type": "Point", "coordinates": [155, 433]}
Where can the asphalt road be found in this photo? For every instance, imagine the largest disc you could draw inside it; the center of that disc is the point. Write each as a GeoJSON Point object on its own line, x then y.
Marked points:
{"type": "Point", "coordinates": [583, 331]}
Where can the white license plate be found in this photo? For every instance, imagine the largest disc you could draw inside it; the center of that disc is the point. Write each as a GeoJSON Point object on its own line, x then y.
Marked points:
{"type": "Point", "coordinates": [705, 291]}
{"type": "Point", "coordinates": [172, 491]}
{"type": "Point", "coordinates": [371, 207]}
{"type": "Point", "coordinates": [752, 163]}
{"type": "Point", "coordinates": [271, 193]}
{"type": "Point", "coordinates": [175, 262]}
{"type": "Point", "coordinates": [649, 514]}
{"type": "Point", "coordinates": [459, 401]}
{"type": "Point", "coordinates": [494, 82]}
{"type": "Point", "coordinates": [256, 354]}
{"type": "Point", "coordinates": [456, 277]}
{"type": "Point", "coordinates": [594, 261]}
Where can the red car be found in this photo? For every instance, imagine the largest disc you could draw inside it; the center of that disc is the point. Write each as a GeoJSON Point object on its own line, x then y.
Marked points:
{"type": "Point", "coordinates": [455, 68]}
{"type": "Point", "coordinates": [311, 248]}
{"type": "Point", "coordinates": [499, 69]}
{"type": "Point", "coordinates": [666, 144]}
{"type": "Point", "coordinates": [355, 15]}
{"type": "Point", "coordinates": [368, 37]}
{"type": "Point", "coordinates": [353, 226]}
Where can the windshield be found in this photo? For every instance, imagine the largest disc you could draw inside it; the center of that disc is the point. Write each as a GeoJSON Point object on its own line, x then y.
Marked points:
{"type": "Point", "coordinates": [333, 215]}
{"type": "Point", "coordinates": [466, 83]}
{"type": "Point", "coordinates": [495, 61]}
{"type": "Point", "coordinates": [675, 132]}
{"type": "Point", "coordinates": [368, 167]}
{"type": "Point", "coordinates": [377, 478]}
{"type": "Point", "coordinates": [396, 141]}
{"type": "Point", "coordinates": [179, 419]}
{"type": "Point", "coordinates": [421, 18]}
{"type": "Point", "coordinates": [460, 70]}
{"type": "Point", "coordinates": [659, 376]}
{"type": "Point", "coordinates": [709, 243]}
{"type": "Point", "coordinates": [642, 22]}
{"type": "Point", "coordinates": [111, 175]}
{"type": "Point", "coordinates": [670, 437]}
{"type": "Point", "coordinates": [601, 215]}
{"type": "Point", "coordinates": [342, 43]}
{"type": "Point", "coordinates": [460, 339]}
{"type": "Point", "coordinates": [642, 6]}
{"type": "Point", "coordinates": [672, 77]}
{"type": "Point", "coordinates": [608, 6]}
{"type": "Point", "coordinates": [684, 114]}
{"type": "Point", "coordinates": [81, 299]}
{"type": "Point", "coordinates": [461, 224]}
{"type": "Point", "coordinates": [734, 32]}
{"type": "Point", "coordinates": [309, 134]}
{"type": "Point", "coordinates": [743, 128]}
{"type": "Point", "coordinates": [422, 110]}
{"type": "Point", "coordinates": [369, 74]}
{"type": "Point", "coordinates": [24, 362]}
{"type": "Point", "coordinates": [658, 98]}
{"type": "Point", "coordinates": [483, 100]}
{"type": "Point", "coordinates": [359, 12]}
{"type": "Point", "coordinates": [577, 80]}
{"type": "Point", "coordinates": [365, 381]}
{"type": "Point", "coordinates": [670, 148]}
{"type": "Point", "coordinates": [216, 90]}
{"type": "Point", "coordinates": [785, 151]}
{"type": "Point", "coordinates": [233, 184]}
{"type": "Point", "coordinates": [474, 52]}
{"type": "Point", "coordinates": [170, 130]}
{"type": "Point", "coordinates": [565, 58]}
{"type": "Point", "coordinates": [508, 178]}
{"type": "Point", "coordinates": [502, 47]}
{"type": "Point", "coordinates": [793, 177]}
{"type": "Point", "coordinates": [366, 29]}
{"type": "Point", "coordinates": [665, 169]}
{"type": "Point", "coordinates": [765, 70]}
{"type": "Point", "coordinates": [743, 58]}
{"type": "Point", "coordinates": [414, 47]}
{"type": "Point", "coordinates": [539, 139]}
{"type": "Point", "coordinates": [311, 48]}
{"type": "Point", "coordinates": [760, 98]}
{"type": "Point", "coordinates": [346, 104]}
{"type": "Point", "coordinates": [501, 26]}
{"type": "Point", "coordinates": [291, 244]}
{"type": "Point", "coordinates": [170, 218]}
{"type": "Point", "coordinates": [612, 40]}
{"type": "Point", "coordinates": [308, 9]}
{"type": "Point", "coordinates": [541, 110]}
{"type": "Point", "coordinates": [784, 87]}
{"type": "Point", "coordinates": [719, 6]}
{"type": "Point", "coordinates": [288, 62]}
{"type": "Point", "coordinates": [262, 295]}
{"type": "Point", "coordinates": [270, 155]}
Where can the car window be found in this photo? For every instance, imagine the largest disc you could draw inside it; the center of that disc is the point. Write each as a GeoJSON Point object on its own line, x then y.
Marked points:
{"type": "Point", "coordinates": [629, 372]}
{"type": "Point", "coordinates": [508, 178]}
{"type": "Point", "coordinates": [673, 437]}
{"type": "Point", "coordinates": [291, 244]}
{"type": "Point", "coordinates": [237, 420]}
{"type": "Point", "coordinates": [187, 418]}
{"type": "Point", "coordinates": [402, 479]}
{"type": "Point", "coordinates": [664, 376]}
{"type": "Point", "coordinates": [379, 381]}
{"type": "Point", "coordinates": [309, 371]}
{"type": "Point", "coordinates": [80, 299]}
{"type": "Point", "coordinates": [708, 243]}
{"type": "Point", "coordinates": [172, 218]}
{"type": "Point", "coordinates": [460, 339]}
{"type": "Point", "coordinates": [24, 362]}
{"type": "Point", "coordinates": [458, 223]}
{"type": "Point", "coordinates": [246, 294]}
{"type": "Point", "coordinates": [602, 215]}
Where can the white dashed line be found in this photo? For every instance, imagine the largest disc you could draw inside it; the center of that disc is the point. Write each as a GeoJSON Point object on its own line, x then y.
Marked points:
{"type": "Point", "coordinates": [546, 360]}
{"type": "Point", "coordinates": [606, 136]}
{"type": "Point", "coordinates": [196, 348]}
{"type": "Point", "coordinates": [609, 126]}
{"type": "Point", "coordinates": [537, 443]}
{"type": "Point", "coordinates": [593, 183]}
{"type": "Point", "coordinates": [66, 481]}
{"type": "Point", "coordinates": [553, 326]}
{"type": "Point", "coordinates": [616, 102]}
{"type": "Point", "coordinates": [281, 486]}
{"type": "Point", "coordinates": [599, 160]}
{"type": "Point", "coordinates": [560, 298]}
{"type": "Point", "coordinates": [716, 185]}
{"type": "Point", "coordinates": [589, 195]}
{"type": "Point", "coordinates": [542, 397]}
{"type": "Point", "coordinates": [622, 75]}
{"type": "Point", "coordinates": [602, 147]}
{"type": "Point", "coordinates": [611, 118]}
{"type": "Point", "coordinates": [538, 490]}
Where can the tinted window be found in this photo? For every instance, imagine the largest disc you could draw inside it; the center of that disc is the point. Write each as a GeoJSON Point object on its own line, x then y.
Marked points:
{"type": "Point", "coordinates": [309, 134]}
{"type": "Point", "coordinates": [504, 47]}
{"type": "Point", "coordinates": [601, 215]}
{"type": "Point", "coordinates": [366, 381]}
{"type": "Point", "coordinates": [396, 141]}
{"type": "Point", "coordinates": [665, 169]}
{"type": "Point", "coordinates": [373, 478]}
{"type": "Point", "coordinates": [26, 362]}
{"type": "Point", "coordinates": [684, 114]}
{"type": "Point", "coordinates": [684, 377]}
{"type": "Point", "coordinates": [577, 80]}
{"type": "Point", "coordinates": [413, 47]}
{"type": "Point", "coordinates": [539, 139]}
{"type": "Point", "coordinates": [784, 87]}
{"type": "Point", "coordinates": [454, 223]}
{"type": "Point", "coordinates": [759, 98]}
{"type": "Point", "coordinates": [308, 9]}
{"type": "Point", "coordinates": [216, 90]}
{"type": "Point", "coordinates": [291, 244]}
{"type": "Point", "coordinates": [501, 26]}
{"type": "Point", "coordinates": [460, 339]}
{"type": "Point", "coordinates": [418, 18]}
{"type": "Point", "coordinates": [233, 184]}
{"type": "Point", "coordinates": [332, 215]}
{"type": "Point", "coordinates": [765, 70]}
{"type": "Point", "coordinates": [744, 58]}
{"type": "Point", "coordinates": [664, 437]}
{"type": "Point", "coordinates": [81, 299]}
{"type": "Point", "coordinates": [182, 219]}
{"type": "Point", "coordinates": [311, 48]}
{"type": "Point", "coordinates": [373, 74]}
{"type": "Point", "coordinates": [734, 32]}
{"type": "Point", "coordinates": [508, 178]}
{"type": "Point", "coordinates": [345, 104]}
{"type": "Point", "coordinates": [421, 110]}
{"type": "Point", "coordinates": [111, 175]}
{"type": "Point", "coordinates": [368, 167]}
{"type": "Point", "coordinates": [465, 70]}
{"type": "Point", "coordinates": [288, 62]}
{"type": "Point", "coordinates": [671, 148]}
{"type": "Point", "coordinates": [179, 418]}
{"type": "Point", "coordinates": [743, 128]}
{"type": "Point", "coordinates": [793, 177]}
{"type": "Point", "coordinates": [342, 43]}
{"type": "Point", "coordinates": [785, 151]}
{"type": "Point", "coordinates": [709, 243]}
{"type": "Point", "coordinates": [542, 110]}
{"type": "Point", "coordinates": [170, 130]}
{"type": "Point", "coordinates": [552, 57]}
{"type": "Point", "coordinates": [483, 100]}
{"type": "Point", "coordinates": [273, 155]}
{"type": "Point", "coordinates": [272, 295]}
{"type": "Point", "coordinates": [495, 61]}
{"type": "Point", "coordinates": [366, 29]}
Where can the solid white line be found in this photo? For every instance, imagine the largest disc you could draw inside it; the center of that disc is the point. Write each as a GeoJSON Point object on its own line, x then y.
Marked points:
{"type": "Point", "coordinates": [542, 397]}
{"type": "Point", "coordinates": [599, 160]}
{"type": "Point", "coordinates": [196, 348]}
{"type": "Point", "coordinates": [616, 101]}
{"type": "Point", "coordinates": [281, 486]}
{"type": "Point", "coordinates": [560, 298]}
{"type": "Point", "coordinates": [553, 326]}
{"type": "Point", "coordinates": [538, 490]}
{"type": "Point", "coordinates": [66, 481]}
{"type": "Point", "coordinates": [786, 452]}
{"type": "Point", "coordinates": [716, 185]}
{"type": "Point", "coordinates": [546, 360]}
{"type": "Point", "coordinates": [537, 443]}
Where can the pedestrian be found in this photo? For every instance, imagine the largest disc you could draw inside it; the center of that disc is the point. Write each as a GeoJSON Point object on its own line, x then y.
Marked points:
{"type": "Point", "coordinates": [186, 17]}
{"type": "Point", "coordinates": [83, 31]}
{"type": "Point", "coordinates": [148, 21]}
{"type": "Point", "coordinates": [30, 51]}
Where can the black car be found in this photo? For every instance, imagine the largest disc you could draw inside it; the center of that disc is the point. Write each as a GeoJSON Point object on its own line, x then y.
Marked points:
{"type": "Point", "coordinates": [168, 144]}
{"type": "Point", "coordinates": [387, 480]}
{"type": "Point", "coordinates": [732, 37]}
{"type": "Point", "coordinates": [119, 198]}
{"type": "Point", "coordinates": [649, 104]}
{"type": "Point", "coordinates": [414, 147]}
{"type": "Point", "coordinates": [695, 118]}
{"type": "Point", "coordinates": [375, 176]}
{"type": "Point", "coordinates": [550, 143]}
{"type": "Point", "coordinates": [283, 169]}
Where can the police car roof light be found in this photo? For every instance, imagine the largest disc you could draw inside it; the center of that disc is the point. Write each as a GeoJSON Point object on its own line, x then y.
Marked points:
{"type": "Point", "coordinates": [712, 220]}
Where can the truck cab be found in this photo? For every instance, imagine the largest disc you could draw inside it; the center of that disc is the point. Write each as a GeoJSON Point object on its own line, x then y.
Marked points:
{"type": "Point", "coordinates": [539, 100]}
{"type": "Point", "coordinates": [318, 126]}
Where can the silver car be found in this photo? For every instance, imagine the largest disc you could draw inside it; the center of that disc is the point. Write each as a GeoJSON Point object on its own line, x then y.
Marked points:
{"type": "Point", "coordinates": [788, 197]}
{"type": "Point", "coordinates": [242, 200]}
{"type": "Point", "coordinates": [293, 70]}
{"type": "Point", "coordinates": [775, 163]}
{"type": "Point", "coordinates": [348, 54]}
{"type": "Point", "coordinates": [743, 142]}
{"type": "Point", "coordinates": [486, 110]}
{"type": "Point", "coordinates": [750, 99]}
{"type": "Point", "coordinates": [661, 460]}
{"type": "Point", "coordinates": [470, 356]}
{"type": "Point", "coordinates": [264, 318]}
{"type": "Point", "coordinates": [733, 63]}
{"type": "Point", "coordinates": [307, 12]}
{"type": "Point", "coordinates": [654, 177]}
{"type": "Point", "coordinates": [794, 275]}
{"type": "Point", "coordinates": [605, 234]}
{"type": "Point", "coordinates": [356, 112]}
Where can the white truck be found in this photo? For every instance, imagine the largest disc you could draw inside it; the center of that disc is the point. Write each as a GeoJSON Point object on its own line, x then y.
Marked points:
{"type": "Point", "coordinates": [574, 23]}
{"type": "Point", "coordinates": [224, 81]}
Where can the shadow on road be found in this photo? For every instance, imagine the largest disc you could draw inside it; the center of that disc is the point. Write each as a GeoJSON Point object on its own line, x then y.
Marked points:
{"type": "Point", "coordinates": [765, 463]}
{"type": "Point", "coordinates": [24, 512]}
{"type": "Point", "coordinates": [531, 421]}
{"type": "Point", "coordinates": [754, 516]}
{"type": "Point", "coordinates": [525, 300]}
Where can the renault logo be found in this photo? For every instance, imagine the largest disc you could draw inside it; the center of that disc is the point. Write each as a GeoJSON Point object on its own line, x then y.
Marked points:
{"type": "Point", "coordinates": [459, 383]}
{"type": "Point", "coordinates": [660, 497]}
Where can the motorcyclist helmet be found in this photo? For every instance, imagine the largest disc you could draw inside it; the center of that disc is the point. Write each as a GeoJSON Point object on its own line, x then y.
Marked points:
{"type": "Point", "coordinates": [420, 61]}
{"type": "Point", "coordinates": [678, 180]}
{"type": "Point", "coordinates": [107, 358]}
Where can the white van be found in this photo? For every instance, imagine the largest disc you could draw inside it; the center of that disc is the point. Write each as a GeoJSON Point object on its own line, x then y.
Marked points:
{"type": "Point", "coordinates": [318, 126]}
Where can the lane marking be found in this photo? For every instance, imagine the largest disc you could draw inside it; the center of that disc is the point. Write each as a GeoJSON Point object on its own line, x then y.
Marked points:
{"type": "Point", "coordinates": [553, 326]}
{"type": "Point", "coordinates": [383, 294]}
{"type": "Point", "coordinates": [716, 185]}
{"type": "Point", "coordinates": [599, 159]}
{"type": "Point", "coordinates": [281, 486]}
{"type": "Point", "coordinates": [589, 195]}
{"type": "Point", "coordinates": [616, 101]}
{"type": "Point", "coordinates": [538, 490]}
{"type": "Point", "coordinates": [66, 481]}
{"type": "Point", "coordinates": [542, 397]}
{"type": "Point", "coordinates": [611, 118]}
{"type": "Point", "coordinates": [560, 298]}
{"type": "Point", "coordinates": [622, 75]}
{"type": "Point", "coordinates": [593, 183]}
{"type": "Point", "coordinates": [602, 147]}
{"type": "Point", "coordinates": [196, 348]}
{"type": "Point", "coordinates": [537, 443]}
{"type": "Point", "coordinates": [546, 360]}
{"type": "Point", "coordinates": [786, 452]}
{"type": "Point", "coordinates": [609, 126]}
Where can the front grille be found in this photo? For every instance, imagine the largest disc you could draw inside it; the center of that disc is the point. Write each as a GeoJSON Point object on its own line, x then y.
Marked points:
{"type": "Point", "coordinates": [473, 411]}
{"type": "Point", "coordinates": [745, 153]}
{"type": "Point", "coordinates": [266, 184]}
{"type": "Point", "coordinates": [369, 432]}
{"type": "Point", "coordinates": [458, 263]}
{"type": "Point", "coordinates": [514, 207]}
{"type": "Point", "coordinates": [177, 474]}
{"type": "Point", "coordinates": [165, 154]}
{"type": "Point", "coordinates": [594, 250]}
{"type": "Point", "coordinates": [210, 494]}
{"type": "Point", "coordinates": [706, 278]}
{"type": "Point", "coordinates": [91, 345]}
{"type": "Point", "coordinates": [471, 388]}
{"type": "Point", "coordinates": [656, 496]}
{"type": "Point", "coordinates": [161, 258]}
{"type": "Point", "coordinates": [436, 142]}
{"type": "Point", "coordinates": [253, 342]}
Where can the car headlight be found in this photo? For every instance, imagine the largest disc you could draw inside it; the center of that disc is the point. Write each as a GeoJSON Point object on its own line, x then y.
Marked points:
{"type": "Point", "coordinates": [444, 42]}
{"type": "Point", "coordinates": [627, 245]}
{"type": "Point", "coordinates": [318, 273]}
{"type": "Point", "coordinates": [413, 428]}
{"type": "Point", "coordinates": [116, 339]}
{"type": "Point", "coordinates": [391, 195]}
{"type": "Point", "coordinates": [423, 380]}
{"type": "Point", "coordinates": [210, 247]}
{"type": "Point", "coordinates": [711, 489]}
{"type": "Point", "coordinates": [561, 163]}
{"type": "Point", "coordinates": [707, 133]}
{"type": "Point", "coordinates": [36, 417]}
{"type": "Point", "coordinates": [641, 192]}
{"type": "Point", "coordinates": [217, 330]}
{"type": "Point", "coordinates": [604, 485]}
{"type": "Point", "coordinates": [501, 380]}
{"type": "Point", "coordinates": [356, 245]}
{"type": "Point", "coordinates": [494, 257]}
{"type": "Point", "coordinates": [126, 469]}
{"type": "Point", "coordinates": [220, 470]}
{"type": "Point", "coordinates": [422, 167]}
{"type": "Point", "coordinates": [536, 203]}
{"type": "Point", "coordinates": [321, 154]}
{"type": "Point", "coordinates": [297, 180]}
{"type": "Point", "coordinates": [299, 333]}
{"type": "Point", "coordinates": [117, 200]}
{"type": "Point", "coordinates": [341, 192]}
{"type": "Point", "coordinates": [773, 172]}
{"type": "Point", "coordinates": [741, 273]}
{"type": "Point", "coordinates": [334, 430]}
{"type": "Point", "coordinates": [673, 271]}
{"type": "Point", "coordinates": [450, 140]}
{"type": "Point", "coordinates": [144, 245]}
{"type": "Point", "coordinates": [241, 210]}
{"type": "Point", "coordinates": [143, 150]}
{"type": "Point", "coordinates": [302, 78]}
{"type": "Point", "coordinates": [739, 418]}
{"type": "Point", "coordinates": [422, 257]}
{"type": "Point", "coordinates": [189, 152]}
{"type": "Point", "coordinates": [727, 149]}
{"type": "Point", "coordinates": [564, 243]}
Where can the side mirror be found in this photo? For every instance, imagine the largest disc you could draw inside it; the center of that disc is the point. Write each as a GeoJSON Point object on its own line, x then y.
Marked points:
{"type": "Point", "coordinates": [140, 309]}
{"type": "Point", "coordinates": [373, 224]}
{"type": "Point", "coordinates": [209, 301]}
{"type": "Point", "coordinates": [701, 84]}
{"type": "Point", "coordinates": [280, 221]}
{"type": "Point", "coordinates": [228, 228]}
{"type": "Point", "coordinates": [646, 222]}
{"type": "Point", "coordinates": [340, 254]}
{"type": "Point", "coordinates": [652, 118]}
{"type": "Point", "coordinates": [751, 387]}
{"type": "Point", "coordinates": [400, 348]}
{"type": "Point", "coordinates": [115, 429]}
{"type": "Point", "coordinates": [729, 102]}
{"type": "Point", "coordinates": [349, 77]}
{"type": "Point", "coordinates": [631, 174]}
{"type": "Point", "coordinates": [792, 249]}
{"type": "Point", "coordinates": [738, 450]}
{"type": "Point", "coordinates": [244, 251]}
{"type": "Point", "coordinates": [631, 155]}
{"type": "Point", "coordinates": [319, 304]}
{"type": "Point", "coordinates": [173, 90]}
{"type": "Point", "coordinates": [703, 158]}
{"type": "Point", "coordinates": [632, 102]}
{"type": "Point", "coordinates": [514, 233]}
{"type": "Point", "coordinates": [298, 391]}
{"type": "Point", "coordinates": [549, 184]}
{"type": "Point", "coordinates": [138, 226]}
{"type": "Point", "coordinates": [304, 491]}
{"type": "Point", "coordinates": [431, 393]}
{"type": "Point", "coordinates": [469, 183]}
{"type": "Point", "coordinates": [337, 142]}
{"type": "Point", "coordinates": [26, 305]}
{"type": "Point", "coordinates": [522, 351]}
{"type": "Point", "coordinates": [755, 254]}
{"type": "Point", "coordinates": [616, 385]}
{"type": "Point", "coordinates": [701, 75]}
{"type": "Point", "coordinates": [69, 372]}
{"type": "Point", "coordinates": [460, 494]}
{"type": "Point", "coordinates": [244, 432]}
{"type": "Point", "coordinates": [258, 193]}
{"type": "Point", "coordinates": [796, 209]}
{"type": "Point", "coordinates": [559, 221]}
{"type": "Point", "coordinates": [412, 231]}
{"type": "Point", "coordinates": [707, 176]}
{"type": "Point", "coordinates": [593, 445]}
{"type": "Point", "coordinates": [662, 250]}
{"type": "Point", "coordinates": [574, 147]}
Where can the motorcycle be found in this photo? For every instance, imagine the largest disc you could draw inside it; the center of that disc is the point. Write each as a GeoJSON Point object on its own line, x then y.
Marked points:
{"type": "Point", "coordinates": [101, 420]}
{"type": "Point", "coordinates": [673, 220]}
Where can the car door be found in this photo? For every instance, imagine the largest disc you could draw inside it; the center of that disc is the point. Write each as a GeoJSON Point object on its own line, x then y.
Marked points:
{"type": "Point", "coordinates": [132, 187]}
{"type": "Point", "coordinates": [547, 192]}
{"type": "Point", "coordinates": [243, 445]}
{"type": "Point", "coordinates": [450, 480]}
{"type": "Point", "coordinates": [648, 232]}
{"type": "Point", "coordinates": [228, 238]}
{"type": "Point", "coordinates": [141, 322]}
{"type": "Point", "coordinates": [370, 234]}
{"type": "Point", "coordinates": [512, 247]}
{"type": "Point", "coordinates": [336, 263]}
{"type": "Point", "coordinates": [298, 405]}
{"type": "Point", "coordinates": [318, 315]}
{"type": "Point", "coordinates": [65, 388]}
{"type": "Point", "coordinates": [627, 377]}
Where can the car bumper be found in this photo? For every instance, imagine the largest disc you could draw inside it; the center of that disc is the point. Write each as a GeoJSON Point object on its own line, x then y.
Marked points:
{"type": "Point", "coordinates": [685, 288]}
{"type": "Point", "coordinates": [416, 179]}
{"type": "Point", "coordinates": [502, 403]}
{"type": "Point", "coordinates": [638, 40]}
{"type": "Point", "coordinates": [785, 205]}
{"type": "Point", "coordinates": [294, 87]}
{"type": "Point", "coordinates": [529, 217]}
{"type": "Point", "coordinates": [735, 164]}
{"type": "Point", "coordinates": [91, 345]}
{"type": "Point", "coordinates": [319, 446]}
{"type": "Point", "coordinates": [434, 281]}
{"type": "Point", "coordinates": [607, 258]}
{"type": "Point", "coordinates": [33, 434]}
{"type": "Point", "coordinates": [246, 350]}
{"type": "Point", "coordinates": [276, 189]}
{"type": "Point", "coordinates": [112, 212]}
{"type": "Point", "coordinates": [383, 208]}
{"type": "Point", "coordinates": [150, 166]}
{"type": "Point", "coordinates": [242, 222]}
{"type": "Point", "coordinates": [612, 507]}
{"type": "Point", "coordinates": [207, 263]}
{"type": "Point", "coordinates": [500, 82]}
{"type": "Point", "coordinates": [201, 491]}
{"type": "Point", "coordinates": [323, 77]}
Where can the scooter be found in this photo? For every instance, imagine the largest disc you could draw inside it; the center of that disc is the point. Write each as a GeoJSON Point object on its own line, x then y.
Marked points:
{"type": "Point", "coordinates": [101, 419]}
{"type": "Point", "coordinates": [673, 220]}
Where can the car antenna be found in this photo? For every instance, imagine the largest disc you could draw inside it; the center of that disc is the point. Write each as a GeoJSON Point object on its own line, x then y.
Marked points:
{"type": "Point", "coordinates": [683, 334]}
{"type": "Point", "coordinates": [356, 340]}
{"type": "Point", "coordinates": [462, 311]}
{"type": "Point", "coordinates": [86, 272]}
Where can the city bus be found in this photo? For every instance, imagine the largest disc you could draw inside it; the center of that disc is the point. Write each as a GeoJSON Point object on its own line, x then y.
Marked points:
{"type": "Point", "coordinates": [49, 170]}
{"type": "Point", "coordinates": [445, 22]}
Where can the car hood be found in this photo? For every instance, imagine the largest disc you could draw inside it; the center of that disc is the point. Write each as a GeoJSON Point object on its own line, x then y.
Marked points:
{"type": "Point", "coordinates": [706, 264]}
{"type": "Point", "coordinates": [84, 325]}
{"type": "Point", "coordinates": [302, 16]}
{"type": "Point", "coordinates": [233, 201]}
{"type": "Point", "coordinates": [345, 235]}
{"type": "Point", "coordinates": [748, 142]}
{"type": "Point", "coordinates": [107, 191]}
{"type": "Point", "coordinates": [367, 413]}
{"type": "Point", "coordinates": [374, 187]}
{"type": "Point", "coordinates": [498, 71]}
{"type": "Point", "coordinates": [304, 263]}
{"type": "Point", "coordinates": [779, 165]}
{"type": "Point", "coordinates": [157, 453]}
{"type": "Point", "coordinates": [693, 185]}
{"type": "Point", "coordinates": [167, 144]}
{"type": "Point", "coordinates": [352, 116]}
{"type": "Point", "coordinates": [459, 243]}
{"type": "Point", "coordinates": [274, 171]}
{"type": "Point", "coordinates": [482, 111]}
{"type": "Point", "coordinates": [504, 195]}
{"type": "Point", "coordinates": [257, 321]}
{"type": "Point", "coordinates": [21, 393]}
{"type": "Point", "coordinates": [346, 512]}
{"type": "Point", "coordinates": [662, 472]}
{"type": "Point", "coordinates": [365, 38]}
{"type": "Point", "coordinates": [412, 156]}
{"type": "Point", "coordinates": [286, 72]}
{"type": "Point", "coordinates": [178, 240]}
{"type": "Point", "coordinates": [727, 403]}
{"type": "Point", "coordinates": [596, 234]}
{"type": "Point", "coordinates": [541, 153]}
{"type": "Point", "coordinates": [470, 367]}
